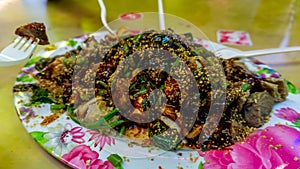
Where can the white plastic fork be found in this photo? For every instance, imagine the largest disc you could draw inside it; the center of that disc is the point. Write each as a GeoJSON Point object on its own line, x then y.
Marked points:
{"type": "Point", "coordinates": [18, 51]}
{"type": "Point", "coordinates": [228, 53]}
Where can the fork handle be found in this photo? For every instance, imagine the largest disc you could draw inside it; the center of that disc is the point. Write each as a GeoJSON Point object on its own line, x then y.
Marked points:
{"type": "Point", "coordinates": [270, 51]}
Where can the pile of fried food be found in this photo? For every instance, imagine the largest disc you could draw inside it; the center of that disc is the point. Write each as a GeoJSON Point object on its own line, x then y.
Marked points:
{"type": "Point", "coordinates": [249, 98]}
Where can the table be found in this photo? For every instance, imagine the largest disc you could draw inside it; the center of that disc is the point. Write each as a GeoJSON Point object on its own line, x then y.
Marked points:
{"type": "Point", "coordinates": [270, 24]}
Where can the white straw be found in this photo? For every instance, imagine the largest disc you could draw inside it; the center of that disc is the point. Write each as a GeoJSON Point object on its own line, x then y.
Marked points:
{"type": "Point", "coordinates": [103, 16]}
{"type": "Point", "coordinates": [161, 15]}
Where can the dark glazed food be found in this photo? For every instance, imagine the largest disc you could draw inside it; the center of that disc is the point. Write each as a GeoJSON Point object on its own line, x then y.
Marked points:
{"type": "Point", "coordinates": [33, 30]}
{"type": "Point", "coordinates": [249, 98]}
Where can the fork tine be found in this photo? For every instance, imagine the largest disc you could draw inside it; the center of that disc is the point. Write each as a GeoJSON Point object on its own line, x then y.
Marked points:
{"type": "Point", "coordinates": [31, 47]}
{"type": "Point", "coordinates": [16, 41]}
{"type": "Point", "coordinates": [18, 51]}
{"type": "Point", "coordinates": [27, 44]}
{"type": "Point", "coordinates": [21, 43]}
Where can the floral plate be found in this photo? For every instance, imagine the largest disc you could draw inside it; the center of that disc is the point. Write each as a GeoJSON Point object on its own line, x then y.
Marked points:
{"type": "Point", "coordinates": [276, 145]}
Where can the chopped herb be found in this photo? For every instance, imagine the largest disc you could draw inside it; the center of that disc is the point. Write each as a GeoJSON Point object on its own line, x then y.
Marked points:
{"type": "Point", "coordinates": [245, 86]}
{"type": "Point", "coordinates": [162, 87]}
{"type": "Point", "coordinates": [79, 47]}
{"type": "Point", "coordinates": [40, 96]}
{"type": "Point", "coordinates": [200, 166]}
{"type": "Point", "coordinates": [141, 78]}
{"type": "Point", "coordinates": [71, 42]}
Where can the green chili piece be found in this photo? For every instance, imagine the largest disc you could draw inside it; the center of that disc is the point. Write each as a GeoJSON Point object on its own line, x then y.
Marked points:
{"type": "Point", "coordinates": [115, 160]}
{"type": "Point", "coordinates": [122, 131]}
{"type": "Point", "coordinates": [102, 83]}
{"type": "Point", "coordinates": [101, 123]}
{"type": "Point", "coordinates": [102, 92]}
{"type": "Point", "coordinates": [132, 85]}
{"type": "Point", "coordinates": [116, 123]}
{"type": "Point", "coordinates": [126, 48]}
{"type": "Point", "coordinates": [140, 92]}
{"type": "Point", "coordinates": [57, 106]}
{"type": "Point", "coordinates": [138, 37]}
{"type": "Point", "coordinates": [111, 114]}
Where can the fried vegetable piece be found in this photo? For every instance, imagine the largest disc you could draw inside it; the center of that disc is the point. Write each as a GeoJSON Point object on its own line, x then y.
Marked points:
{"type": "Point", "coordinates": [34, 30]}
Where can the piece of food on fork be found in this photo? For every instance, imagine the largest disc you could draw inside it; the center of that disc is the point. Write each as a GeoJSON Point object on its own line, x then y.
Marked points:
{"type": "Point", "coordinates": [34, 30]}
{"type": "Point", "coordinates": [22, 48]}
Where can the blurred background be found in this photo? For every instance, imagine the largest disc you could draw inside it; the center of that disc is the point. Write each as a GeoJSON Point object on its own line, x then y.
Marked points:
{"type": "Point", "coordinates": [270, 24]}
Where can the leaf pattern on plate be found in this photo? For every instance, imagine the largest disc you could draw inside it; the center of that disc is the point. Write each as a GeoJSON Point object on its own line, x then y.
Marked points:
{"type": "Point", "coordinates": [292, 88]}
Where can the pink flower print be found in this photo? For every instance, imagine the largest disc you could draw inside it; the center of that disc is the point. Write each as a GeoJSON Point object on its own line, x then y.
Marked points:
{"type": "Point", "coordinates": [288, 114]}
{"type": "Point", "coordinates": [271, 148]}
{"type": "Point", "coordinates": [201, 42]}
{"type": "Point", "coordinates": [217, 159]}
{"type": "Point", "coordinates": [74, 134]}
{"type": "Point", "coordinates": [83, 157]}
{"type": "Point", "coordinates": [63, 138]}
{"type": "Point", "coordinates": [100, 139]}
